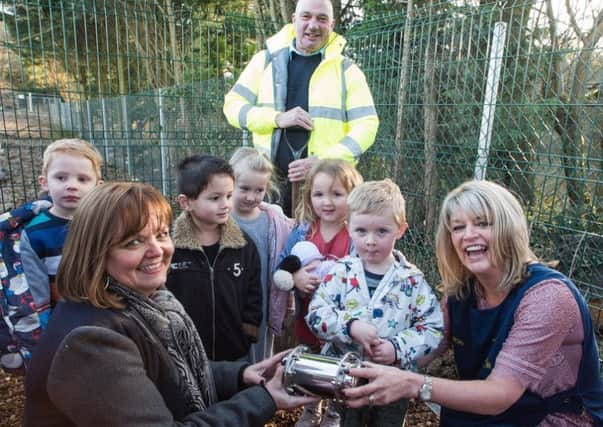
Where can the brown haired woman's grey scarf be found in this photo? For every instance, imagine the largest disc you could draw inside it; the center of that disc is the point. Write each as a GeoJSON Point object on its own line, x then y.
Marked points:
{"type": "Point", "coordinates": [162, 315]}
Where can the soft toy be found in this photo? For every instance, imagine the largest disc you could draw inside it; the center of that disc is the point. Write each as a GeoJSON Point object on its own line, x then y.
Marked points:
{"type": "Point", "coordinates": [303, 254]}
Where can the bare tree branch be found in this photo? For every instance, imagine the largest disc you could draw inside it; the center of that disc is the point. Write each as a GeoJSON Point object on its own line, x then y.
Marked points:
{"type": "Point", "coordinates": [597, 32]}
{"type": "Point", "coordinates": [336, 12]}
{"type": "Point", "coordinates": [584, 57]}
{"type": "Point", "coordinates": [556, 85]}
{"type": "Point", "coordinates": [573, 23]}
{"type": "Point", "coordinates": [286, 10]}
{"type": "Point", "coordinates": [158, 5]}
{"type": "Point", "coordinates": [273, 15]}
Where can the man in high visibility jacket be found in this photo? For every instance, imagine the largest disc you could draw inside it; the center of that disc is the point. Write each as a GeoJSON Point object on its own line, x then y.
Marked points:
{"type": "Point", "coordinates": [302, 99]}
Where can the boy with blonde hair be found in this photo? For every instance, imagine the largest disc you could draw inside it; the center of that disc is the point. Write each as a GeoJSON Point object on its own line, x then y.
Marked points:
{"type": "Point", "coordinates": [377, 304]}
{"type": "Point", "coordinates": [70, 169]}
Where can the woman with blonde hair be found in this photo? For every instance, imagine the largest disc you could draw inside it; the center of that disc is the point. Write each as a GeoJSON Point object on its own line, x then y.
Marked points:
{"type": "Point", "coordinates": [522, 336]}
{"type": "Point", "coordinates": [120, 349]}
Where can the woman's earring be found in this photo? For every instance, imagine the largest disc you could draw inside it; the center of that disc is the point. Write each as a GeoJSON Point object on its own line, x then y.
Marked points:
{"type": "Point", "coordinates": [107, 281]}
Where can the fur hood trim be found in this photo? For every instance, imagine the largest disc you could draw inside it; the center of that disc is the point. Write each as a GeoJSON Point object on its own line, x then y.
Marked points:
{"type": "Point", "coordinates": [184, 235]}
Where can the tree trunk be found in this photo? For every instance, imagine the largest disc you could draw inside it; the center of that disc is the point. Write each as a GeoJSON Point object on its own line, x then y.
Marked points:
{"type": "Point", "coordinates": [121, 72]}
{"type": "Point", "coordinates": [515, 154]}
{"type": "Point", "coordinates": [259, 24]}
{"type": "Point", "coordinates": [404, 72]}
{"type": "Point", "coordinates": [176, 59]}
{"type": "Point", "coordinates": [287, 9]}
{"type": "Point", "coordinates": [273, 15]}
{"type": "Point", "coordinates": [429, 132]}
{"type": "Point", "coordinates": [336, 12]}
{"type": "Point", "coordinates": [554, 87]}
{"type": "Point", "coordinates": [570, 128]}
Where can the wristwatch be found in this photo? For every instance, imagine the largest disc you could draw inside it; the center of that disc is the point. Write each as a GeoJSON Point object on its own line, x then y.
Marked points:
{"type": "Point", "coordinates": [426, 388]}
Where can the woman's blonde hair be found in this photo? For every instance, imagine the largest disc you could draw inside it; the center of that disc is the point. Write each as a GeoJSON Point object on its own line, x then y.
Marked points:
{"type": "Point", "coordinates": [108, 215]}
{"type": "Point", "coordinates": [256, 161]}
{"type": "Point", "coordinates": [508, 248]}
{"type": "Point", "coordinates": [336, 169]}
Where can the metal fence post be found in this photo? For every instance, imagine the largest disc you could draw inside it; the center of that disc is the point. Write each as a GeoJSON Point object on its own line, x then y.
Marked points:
{"type": "Point", "coordinates": [80, 124]}
{"type": "Point", "coordinates": [105, 129]}
{"type": "Point", "coordinates": [494, 67]}
{"type": "Point", "coordinates": [163, 148]}
{"type": "Point", "coordinates": [90, 125]}
{"type": "Point", "coordinates": [126, 125]}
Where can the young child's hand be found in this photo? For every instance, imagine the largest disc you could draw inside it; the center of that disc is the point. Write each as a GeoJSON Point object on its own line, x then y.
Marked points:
{"type": "Point", "coordinates": [305, 281]}
{"type": "Point", "coordinates": [384, 352]}
{"type": "Point", "coordinates": [366, 335]}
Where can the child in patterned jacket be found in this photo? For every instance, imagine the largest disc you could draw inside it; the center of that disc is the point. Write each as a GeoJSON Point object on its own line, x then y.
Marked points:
{"type": "Point", "coordinates": [378, 304]}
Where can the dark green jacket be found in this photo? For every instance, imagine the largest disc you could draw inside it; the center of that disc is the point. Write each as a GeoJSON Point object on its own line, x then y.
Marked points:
{"type": "Point", "coordinates": [96, 367]}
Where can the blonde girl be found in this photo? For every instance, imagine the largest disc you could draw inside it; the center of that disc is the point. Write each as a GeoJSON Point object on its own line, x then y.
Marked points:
{"type": "Point", "coordinates": [269, 228]}
{"type": "Point", "coordinates": [321, 217]}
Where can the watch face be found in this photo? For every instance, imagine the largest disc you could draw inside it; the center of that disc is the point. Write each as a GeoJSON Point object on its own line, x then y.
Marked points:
{"type": "Point", "coordinates": [425, 391]}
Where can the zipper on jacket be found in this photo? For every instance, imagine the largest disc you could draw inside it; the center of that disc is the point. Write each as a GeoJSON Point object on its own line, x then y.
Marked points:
{"type": "Point", "coordinates": [213, 300]}
{"type": "Point", "coordinates": [213, 312]}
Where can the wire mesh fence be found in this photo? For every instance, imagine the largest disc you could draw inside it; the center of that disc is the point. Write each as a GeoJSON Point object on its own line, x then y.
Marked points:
{"type": "Point", "coordinates": [463, 89]}
{"type": "Point", "coordinates": [142, 81]}
{"type": "Point", "coordinates": [509, 93]}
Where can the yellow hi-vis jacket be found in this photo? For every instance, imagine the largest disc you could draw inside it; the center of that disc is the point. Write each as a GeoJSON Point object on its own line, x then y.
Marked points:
{"type": "Point", "coordinates": [344, 118]}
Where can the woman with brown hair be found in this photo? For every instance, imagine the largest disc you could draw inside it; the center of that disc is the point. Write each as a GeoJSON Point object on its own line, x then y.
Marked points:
{"type": "Point", "coordinates": [120, 349]}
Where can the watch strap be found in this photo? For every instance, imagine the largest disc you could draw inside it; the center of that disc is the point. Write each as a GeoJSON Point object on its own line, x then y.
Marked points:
{"type": "Point", "coordinates": [426, 389]}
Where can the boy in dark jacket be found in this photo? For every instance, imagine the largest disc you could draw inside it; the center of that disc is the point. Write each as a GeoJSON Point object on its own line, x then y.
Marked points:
{"type": "Point", "coordinates": [215, 271]}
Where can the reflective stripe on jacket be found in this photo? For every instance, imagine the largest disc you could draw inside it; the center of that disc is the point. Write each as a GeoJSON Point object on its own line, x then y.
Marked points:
{"type": "Point", "coordinates": [341, 105]}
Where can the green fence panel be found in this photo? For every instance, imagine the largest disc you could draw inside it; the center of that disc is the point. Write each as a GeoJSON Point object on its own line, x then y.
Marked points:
{"type": "Point", "coordinates": [145, 84]}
